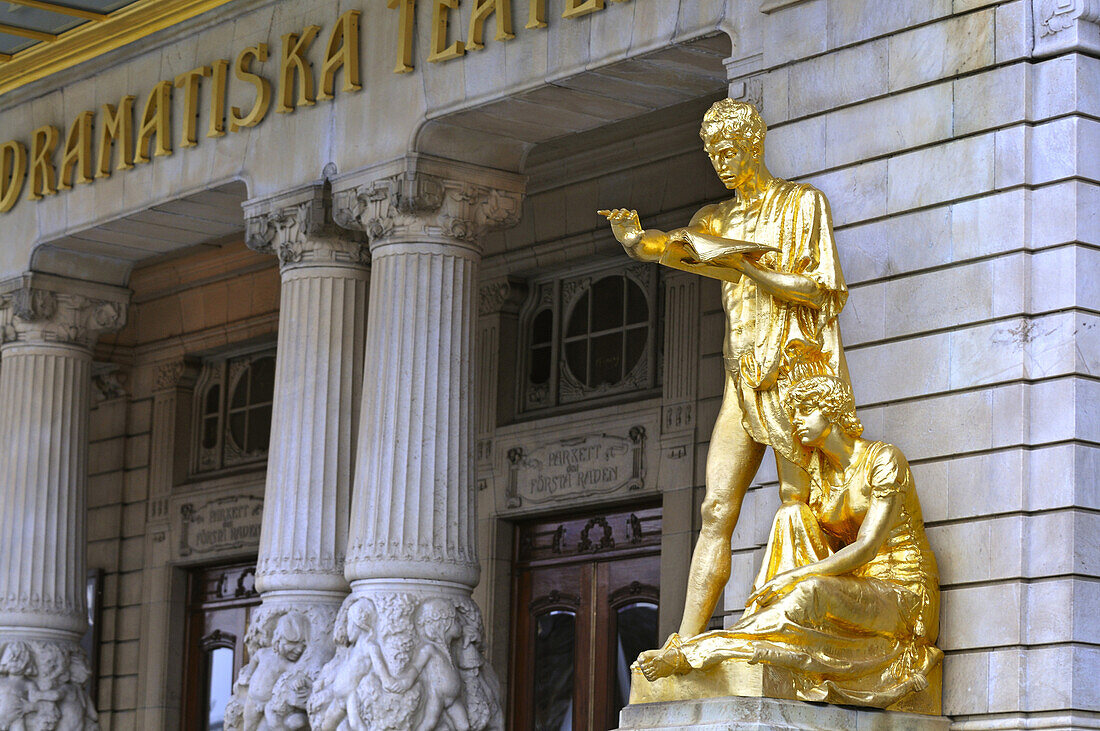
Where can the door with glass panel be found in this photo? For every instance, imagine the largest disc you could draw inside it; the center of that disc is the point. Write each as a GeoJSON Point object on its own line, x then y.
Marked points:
{"type": "Point", "coordinates": [220, 603]}
{"type": "Point", "coordinates": [585, 604]}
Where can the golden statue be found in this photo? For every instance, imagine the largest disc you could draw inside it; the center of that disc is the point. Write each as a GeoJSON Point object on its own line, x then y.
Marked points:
{"type": "Point", "coordinates": [845, 608]}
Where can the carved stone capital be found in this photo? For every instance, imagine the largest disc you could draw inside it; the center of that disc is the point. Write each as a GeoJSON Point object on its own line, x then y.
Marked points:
{"type": "Point", "coordinates": [1064, 26]}
{"type": "Point", "coordinates": [423, 199]}
{"type": "Point", "coordinates": [56, 310]}
{"type": "Point", "coordinates": [500, 295]}
{"type": "Point", "coordinates": [300, 229]}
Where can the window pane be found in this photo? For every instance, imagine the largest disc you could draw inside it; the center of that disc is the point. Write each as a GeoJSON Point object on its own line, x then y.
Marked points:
{"type": "Point", "coordinates": [220, 688]}
{"type": "Point", "coordinates": [607, 359]}
{"type": "Point", "coordinates": [635, 347]}
{"type": "Point", "coordinates": [259, 429]}
{"type": "Point", "coordinates": [237, 423]}
{"type": "Point", "coordinates": [542, 329]}
{"type": "Point", "coordinates": [637, 308]}
{"type": "Point", "coordinates": [555, 634]}
{"type": "Point", "coordinates": [213, 400]}
{"type": "Point", "coordinates": [578, 319]}
{"type": "Point", "coordinates": [607, 304]}
{"type": "Point", "coordinates": [637, 631]}
{"type": "Point", "coordinates": [210, 431]}
{"type": "Point", "coordinates": [263, 380]}
{"type": "Point", "coordinates": [240, 391]}
{"type": "Point", "coordinates": [540, 365]}
{"type": "Point", "coordinates": [576, 358]}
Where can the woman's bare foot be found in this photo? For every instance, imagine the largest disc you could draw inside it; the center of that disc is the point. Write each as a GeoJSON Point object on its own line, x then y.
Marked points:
{"type": "Point", "coordinates": [669, 660]}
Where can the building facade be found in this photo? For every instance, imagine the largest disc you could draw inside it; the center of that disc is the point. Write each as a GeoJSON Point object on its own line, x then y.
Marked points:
{"type": "Point", "coordinates": [303, 299]}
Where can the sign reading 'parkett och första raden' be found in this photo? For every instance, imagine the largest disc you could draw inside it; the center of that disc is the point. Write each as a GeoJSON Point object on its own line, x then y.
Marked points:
{"type": "Point", "coordinates": [93, 150]}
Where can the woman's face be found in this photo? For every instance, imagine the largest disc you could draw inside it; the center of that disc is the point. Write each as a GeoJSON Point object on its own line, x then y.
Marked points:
{"type": "Point", "coordinates": [811, 426]}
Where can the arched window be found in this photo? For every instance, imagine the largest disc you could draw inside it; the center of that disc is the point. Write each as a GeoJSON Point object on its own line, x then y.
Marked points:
{"type": "Point", "coordinates": [589, 336]}
{"type": "Point", "coordinates": [233, 401]}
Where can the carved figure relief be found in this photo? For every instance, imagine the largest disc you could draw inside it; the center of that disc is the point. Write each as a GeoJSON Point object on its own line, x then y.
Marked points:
{"type": "Point", "coordinates": [42, 687]}
{"type": "Point", "coordinates": [287, 650]}
{"type": "Point", "coordinates": [406, 662]}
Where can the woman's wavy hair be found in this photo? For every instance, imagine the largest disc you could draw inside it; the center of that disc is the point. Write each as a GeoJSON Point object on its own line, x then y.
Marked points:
{"type": "Point", "coordinates": [830, 394]}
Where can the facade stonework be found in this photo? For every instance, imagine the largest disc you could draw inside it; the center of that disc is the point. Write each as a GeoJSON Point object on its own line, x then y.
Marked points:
{"type": "Point", "coordinates": [297, 395]}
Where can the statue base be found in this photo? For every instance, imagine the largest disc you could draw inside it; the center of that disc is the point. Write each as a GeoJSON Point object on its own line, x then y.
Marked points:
{"type": "Point", "coordinates": [740, 678]}
{"type": "Point", "coordinates": [767, 714]}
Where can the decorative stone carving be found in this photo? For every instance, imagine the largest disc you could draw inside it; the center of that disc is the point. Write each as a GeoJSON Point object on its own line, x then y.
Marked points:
{"type": "Point", "coordinates": [36, 308]}
{"type": "Point", "coordinates": [406, 661]}
{"type": "Point", "coordinates": [287, 649]}
{"type": "Point", "coordinates": [108, 381]}
{"type": "Point", "coordinates": [42, 687]}
{"type": "Point", "coordinates": [1063, 26]}
{"type": "Point", "coordinates": [424, 206]}
{"type": "Point", "coordinates": [304, 232]}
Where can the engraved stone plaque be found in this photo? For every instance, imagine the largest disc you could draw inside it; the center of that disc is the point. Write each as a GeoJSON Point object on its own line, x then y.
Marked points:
{"type": "Point", "coordinates": [221, 524]}
{"type": "Point", "coordinates": [581, 466]}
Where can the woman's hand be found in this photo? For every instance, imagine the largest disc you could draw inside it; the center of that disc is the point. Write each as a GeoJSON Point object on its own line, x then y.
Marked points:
{"type": "Point", "coordinates": [770, 592]}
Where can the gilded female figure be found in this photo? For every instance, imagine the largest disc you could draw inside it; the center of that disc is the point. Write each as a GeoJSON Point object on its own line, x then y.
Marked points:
{"type": "Point", "coordinates": [847, 598]}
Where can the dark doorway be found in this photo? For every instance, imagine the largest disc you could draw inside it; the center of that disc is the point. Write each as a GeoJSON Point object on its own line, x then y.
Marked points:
{"type": "Point", "coordinates": [219, 605]}
{"type": "Point", "coordinates": [585, 604]}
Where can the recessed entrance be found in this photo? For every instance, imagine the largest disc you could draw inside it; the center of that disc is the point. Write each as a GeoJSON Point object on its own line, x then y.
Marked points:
{"type": "Point", "coordinates": [586, 603]}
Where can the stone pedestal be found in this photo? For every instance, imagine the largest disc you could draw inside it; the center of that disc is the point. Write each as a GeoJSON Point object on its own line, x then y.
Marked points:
{"type": "Point", "coordinates": [410, 637]}
{"type": "Point", "coordinates": [318, 377]}
{"type": "Point", "coordinates": [48, 327]}
{"type": "Point", "coordinates": [769, 714]}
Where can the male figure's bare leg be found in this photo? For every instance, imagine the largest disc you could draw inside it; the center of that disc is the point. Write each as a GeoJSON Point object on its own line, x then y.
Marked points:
{"type": "Point", "coordinates": [732, 462]}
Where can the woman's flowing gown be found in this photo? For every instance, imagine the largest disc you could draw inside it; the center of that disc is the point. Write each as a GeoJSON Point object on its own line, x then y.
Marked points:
{"type": "Point", "coordinates": [865, 637]}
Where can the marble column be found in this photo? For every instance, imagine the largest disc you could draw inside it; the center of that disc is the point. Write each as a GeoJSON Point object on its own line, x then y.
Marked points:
{"type": "Point", "coordinates": [413, 639]}
{"type": "Point", "coordinates": [48, 326]}
{"type": "Point", "coordinates": [318, 380]}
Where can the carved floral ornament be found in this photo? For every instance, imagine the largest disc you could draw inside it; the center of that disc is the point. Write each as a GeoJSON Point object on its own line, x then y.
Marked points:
{"type": "Point", "coordinates": [1056, 16]}
{"type": "Point", "coordinates": [29, 312]}
{"type": "Point", "coordinates": [305, 232]}
{"type": "Point", "coordinates": [421, 204]}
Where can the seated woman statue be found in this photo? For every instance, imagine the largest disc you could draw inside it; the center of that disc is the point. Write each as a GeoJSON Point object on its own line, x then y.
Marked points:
{"type": "Point", "coordinates": [847, 598]}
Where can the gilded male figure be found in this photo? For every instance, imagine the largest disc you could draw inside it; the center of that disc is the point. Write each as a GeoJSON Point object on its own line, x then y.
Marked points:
{"type": "Point", "coordinates": [772, 245]}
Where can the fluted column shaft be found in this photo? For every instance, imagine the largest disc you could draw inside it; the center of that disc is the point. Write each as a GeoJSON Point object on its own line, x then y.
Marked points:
{"type": "Point", "coordinates": [43, 450]}
{"type": "Point", "coordinates": [318, 381]}
{"type": "Point", "coordinates": [410, 637]}
{"type": "Point", "coordinates": [414, 512]}
{"type": "Point", "coordinates": [45, 378]}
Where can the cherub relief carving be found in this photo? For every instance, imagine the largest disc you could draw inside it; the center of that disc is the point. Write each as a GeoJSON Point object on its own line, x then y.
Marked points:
{"type": "Point", "coordinates": [42, 687]}
{"type": "Point", "coordinates": [262, 698]}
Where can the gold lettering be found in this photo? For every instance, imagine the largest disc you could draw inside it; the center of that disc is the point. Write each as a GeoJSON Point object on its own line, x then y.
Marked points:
{"type": "Point", "coordinates": [78, 152]}
{"type": "Point", "coordinates": [117, 125]}
{"type": "Point", "coordinates": [342, 50]}
{"type": "Point", "coordinates": [189, 82]}
{"type": "Point", "coordinates": [405, 34]}
{"type": "Point", "coordinates": [536, 14]}
{"type": "Point", "coordinates": [577, 8]}
{"type": "Point", "coordinates": [13, 173]}
{"type": "Point", "coordinates": [440, 50]}
{"type": "Point", "coordinates": [156, 120]}
{"type": "Point", "coordinates": [481, 12]}
{"type": "Point", "coordinates": [43, 172]}
{"type": "Point", "coordinates": [219, 71]}
{"type": "Point", "coordinates": [243, 71]}
{"type": "Point", "coordinates": [292, 64]}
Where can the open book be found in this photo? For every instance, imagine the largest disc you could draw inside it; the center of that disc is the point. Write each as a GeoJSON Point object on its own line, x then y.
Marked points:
{"type": "Point", "coordinates": [704, 254]}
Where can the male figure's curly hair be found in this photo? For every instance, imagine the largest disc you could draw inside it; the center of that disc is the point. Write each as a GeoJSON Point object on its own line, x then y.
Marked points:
{"type": "Point", "coordinates": [830, 394]}
{"type": "Point", "coordinates": [734, 120]}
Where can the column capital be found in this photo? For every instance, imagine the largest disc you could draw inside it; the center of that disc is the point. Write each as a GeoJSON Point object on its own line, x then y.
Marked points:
{"type": "Point", "coordinates": [500, 295]}
{"type": "Point", "coordinates": [420, 199]}
{"type": "Point", "coordinates": [50, 309]}
{"type": "Point", "coordinates": [300, 229]}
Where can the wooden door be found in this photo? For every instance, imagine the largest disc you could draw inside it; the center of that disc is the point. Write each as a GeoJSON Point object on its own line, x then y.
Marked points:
{"type": "Point", "coordinates": [220, 604]}
{"type": "Point", "coordinates": [585, 604]}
